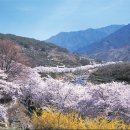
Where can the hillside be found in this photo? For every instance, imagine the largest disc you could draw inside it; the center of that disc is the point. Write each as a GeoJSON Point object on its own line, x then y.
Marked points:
{"type": "Point", "coordinates": [112, 48]}
{"type": "Point", "coordinates": [40, 53]}
{"type": "Point", "coordinates": [110, 73]}
{"type": "Point", "coordinates": [120, 54]}
{"type": "Point", "coordinates": [76, 41]}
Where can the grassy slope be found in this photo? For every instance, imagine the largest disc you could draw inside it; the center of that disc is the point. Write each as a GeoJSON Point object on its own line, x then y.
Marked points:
{"type": "Point", "coordinates": [118, 72]}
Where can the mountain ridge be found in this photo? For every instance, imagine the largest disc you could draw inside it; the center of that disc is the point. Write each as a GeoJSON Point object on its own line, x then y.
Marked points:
{"type": "Point", "coordinates": [113, 39]}
{"type": "Point", "coordinates": [112, 46]}
{"type": "Point", "coordinates": [75, 40]}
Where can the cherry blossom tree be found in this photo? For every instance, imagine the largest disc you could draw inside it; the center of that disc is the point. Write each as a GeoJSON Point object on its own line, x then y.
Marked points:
{"type": "Point", "coordinates": [10, 56]}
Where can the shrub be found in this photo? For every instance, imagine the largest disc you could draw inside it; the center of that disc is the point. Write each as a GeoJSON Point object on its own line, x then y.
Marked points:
{"type": "Point", "coordinates": [56, 120]}
{"type": "Point", "coordinates": [103, 123]}
{"type": "Point", "coordinates": [52, 119]}
{"type": "Point", "coordinates": [109, 73]}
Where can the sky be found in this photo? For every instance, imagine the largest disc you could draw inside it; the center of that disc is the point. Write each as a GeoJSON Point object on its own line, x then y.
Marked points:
{"type": "Point", "coordinates": [42, 19]}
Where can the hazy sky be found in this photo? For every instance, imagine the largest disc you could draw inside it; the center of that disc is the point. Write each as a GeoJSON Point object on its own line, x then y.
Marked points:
{"type": "Point", "coordinates": [43, 18]}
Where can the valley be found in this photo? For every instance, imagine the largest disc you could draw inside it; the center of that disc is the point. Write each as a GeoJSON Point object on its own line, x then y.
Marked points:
{"type": "Point", "coordinates": [64, 65]}
{"type": "Point", "coordinates": [38, 77]}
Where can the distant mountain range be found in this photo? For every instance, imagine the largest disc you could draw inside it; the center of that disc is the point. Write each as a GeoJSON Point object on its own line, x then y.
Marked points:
{"type": "Point", "coordinates": [118, 39]}
{"type": "Point", "coordinates": [75, 41]}
{"type": "Point", "coordinates": [114, 47]}
{"type": "Point", "coordinates": [113, 44]}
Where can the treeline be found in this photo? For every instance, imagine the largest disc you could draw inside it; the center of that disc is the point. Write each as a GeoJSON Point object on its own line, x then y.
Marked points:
{"type": "Point", "coordinates": [116, 72]}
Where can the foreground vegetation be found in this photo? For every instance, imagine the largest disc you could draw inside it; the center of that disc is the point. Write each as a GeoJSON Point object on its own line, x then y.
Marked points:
{"type": "Point", "coordinates": [22, 90]}
{"type": "Point", "coordinates": [116, 72]}
{"type": "Point", "coordinates": [53, 119]}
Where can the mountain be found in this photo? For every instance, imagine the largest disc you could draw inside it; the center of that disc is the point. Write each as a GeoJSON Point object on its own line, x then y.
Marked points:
{"type": "Point", "coordinates": [120, 54]}
{"type": "Point", "coordinates": [114, 47]}
{"type": "Point", "coordinates": [73, 41]}
{"type": "Point", "coordinates": [40, 53]}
